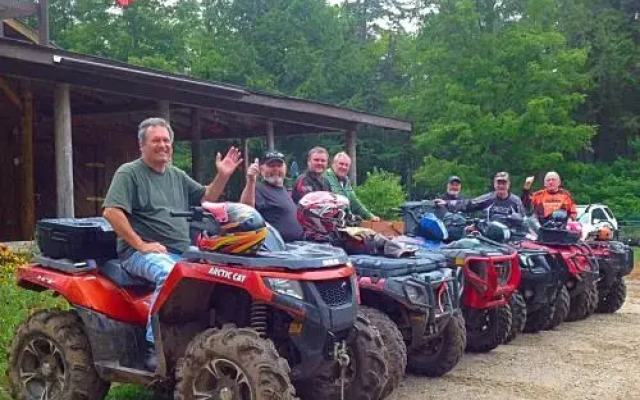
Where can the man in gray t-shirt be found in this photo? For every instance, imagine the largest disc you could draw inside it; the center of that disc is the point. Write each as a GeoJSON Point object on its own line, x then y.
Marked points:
{"type": "Point", "coordinates": [139, 201]}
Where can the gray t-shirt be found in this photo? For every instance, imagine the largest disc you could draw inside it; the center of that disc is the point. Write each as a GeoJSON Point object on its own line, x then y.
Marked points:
{"type": "Point", "coordinates": [147, 197]}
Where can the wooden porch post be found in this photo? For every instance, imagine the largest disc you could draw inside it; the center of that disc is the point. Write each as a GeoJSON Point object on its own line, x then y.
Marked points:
{"type": "Point", "coordinates": [64, 151]}
{"type": "Point", "coordinates": [270, 135]}
{"type": "Point", "coordinates": [43, 23]}
{"type": "Point", "coordinates": [164, 109]}
{"type": "Point", "coordinates": [196, 153]}
{"type": "Point", "coordinates": [245, 156]}
{"type": "Point", "coordinates": [28, 211]}
{"type": "Point", "coordinates": [350, 148]}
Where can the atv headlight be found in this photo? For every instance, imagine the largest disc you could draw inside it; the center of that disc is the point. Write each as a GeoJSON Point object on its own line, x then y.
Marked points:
{"type": "Point", "coordinates": [415, 295]}
{"type": "Point", "coordinates": [286, 287]}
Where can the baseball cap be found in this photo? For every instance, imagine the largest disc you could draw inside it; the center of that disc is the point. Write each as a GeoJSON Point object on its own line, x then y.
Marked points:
{"type": "Point", "coordinates": [272, 155]}
{"type": "Point", "coordinates": [454, 178]}
{"type": "Point", "coordinates": [502, 176]}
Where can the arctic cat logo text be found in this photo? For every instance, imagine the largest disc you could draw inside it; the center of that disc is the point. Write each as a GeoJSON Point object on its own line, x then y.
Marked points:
{"type": "Point", "coordinates": [230, 275]}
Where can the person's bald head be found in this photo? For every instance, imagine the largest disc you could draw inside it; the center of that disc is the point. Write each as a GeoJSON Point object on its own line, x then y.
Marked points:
{"type": "Point", "coordinates": [341, 164]}
{"type": "Point", "coordinates": [552, 181]}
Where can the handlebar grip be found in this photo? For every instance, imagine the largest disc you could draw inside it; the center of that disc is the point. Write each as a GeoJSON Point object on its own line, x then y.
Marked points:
{"type": "Point", "coordinates": [181, 214]}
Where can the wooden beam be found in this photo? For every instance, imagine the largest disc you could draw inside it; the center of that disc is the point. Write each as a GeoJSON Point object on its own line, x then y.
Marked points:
{"type": "Point", "coordinates": [28, 212]}
{"type": "Point", "coordinates": [350, 147]}
{"type": "Point", "coordinates": [164, 110]}
{"type": "Point", "coordinates": [245, 155]}
{"type": "Point", "coordinates": [196, 151]}
{"type": "Point", "coordinates": [44, 37]}
{"type": "Point", "coordinates": [10, 93]}
{"type": "Point", "coordinates": [17, 9]}
{"type": "Point", "coordinates": [270, 135]}
{"type": "Point", "coordinates": [64, 151]}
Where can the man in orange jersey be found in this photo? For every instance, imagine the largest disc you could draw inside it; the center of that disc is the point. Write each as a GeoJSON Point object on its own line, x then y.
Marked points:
{"type": "Point", "coordinates": [544, 202]}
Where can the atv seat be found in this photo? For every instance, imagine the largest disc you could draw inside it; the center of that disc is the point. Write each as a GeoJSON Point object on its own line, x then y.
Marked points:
{"type": "Point", "coordinates": [114, 270]}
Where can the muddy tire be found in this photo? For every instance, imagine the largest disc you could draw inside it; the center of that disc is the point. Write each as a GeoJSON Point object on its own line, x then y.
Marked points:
{"type": "Point", "coordinates": [486, 329]}
{"type": "Point", "coordinates": [540, 319]}
{"type": "Point", "coordinates": [562, 305]}
{"type": "Point", "coordinates": [396, 356]}
{"type": "Point", "coordinates": [614, 299]}
{"type": "Point", "coordinates": [50, 357]}
{"type": "Point", "coordinates": [593, 299]}
{"type": "Point", "coordinates": [518, 316]}
{"type": "Point", "coordinates": [367, 372]}
{"type": "Point", "coordinates": [440, 355]}
{"type": "Point", "coordinates": [579, 306]}
{"type": "Point", "coordinates": [234, 362]}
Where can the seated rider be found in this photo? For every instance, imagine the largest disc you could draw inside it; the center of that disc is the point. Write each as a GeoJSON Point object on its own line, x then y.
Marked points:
{"type": "Point", "coordinates": [339, 183]}
{"type": "Point", "coordinates": [312, 180]}
{"type": "Point", "coordinates": [496, 205]}
{"type": "Point", "coordinates": [545, 201]}
{"type": "Point", "coordinates": [139, 201]}
{"type": "Point", "coordinates": [270, 197]}
{"type": "Point", "coordinates": [454, 189]}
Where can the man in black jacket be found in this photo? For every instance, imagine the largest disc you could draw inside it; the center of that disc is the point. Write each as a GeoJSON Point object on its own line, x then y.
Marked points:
{"type": "Point", "coordinates": [312, 180]}
{"type": "Point", "coordinates": [499, 203]}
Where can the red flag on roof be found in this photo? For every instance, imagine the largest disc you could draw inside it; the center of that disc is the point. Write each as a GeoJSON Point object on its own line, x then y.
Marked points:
{"type": "Point", "coordinates": [124, 3]}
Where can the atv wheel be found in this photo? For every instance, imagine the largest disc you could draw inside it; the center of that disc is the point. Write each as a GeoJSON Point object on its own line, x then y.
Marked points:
{"type": "Point", "coordinates": [366, 373]}
{"type": "Point", "coordinates": [518, 316]}
{"type": "Point", "coordinates": [50, 358]}
{"type": "Point", "coordinates": [579, 306]}
{"type": "Point", "coordinates": [614, 299]}
{"type": "Point", "coordinates": [232, 363]}
{"type": "Point", "coordinates": [540, 319]}
{"type": "Point", "coordinates": [593, 299]}
{"type": "Point", "coordinates": [486, 329]}
{"type": "Point", "coordinates": [397, 350]}
{"type": "Point", "coordinates": [438, 356]}
{"type": "Point", "coordinates": [562, 305]}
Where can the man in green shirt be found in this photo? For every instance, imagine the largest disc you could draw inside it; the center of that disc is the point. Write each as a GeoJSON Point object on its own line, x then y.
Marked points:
{"type": "Point", "coordinates": [340, 184]}
{"type": "Point", "coordinates": [138, 205]}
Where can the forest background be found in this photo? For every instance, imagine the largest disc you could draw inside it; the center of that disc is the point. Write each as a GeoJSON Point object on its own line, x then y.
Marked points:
{"type": "Point", "coordinates": [525, 86]}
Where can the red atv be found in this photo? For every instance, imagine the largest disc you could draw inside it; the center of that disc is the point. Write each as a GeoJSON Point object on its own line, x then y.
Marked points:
{"type": "Point", "coordinates": [226, 326]}
{"type": "Point", "coordinates": [491, 275]}
{"type": "Point", "coordinates": [615, 260]}
{"type": "Point", "coordinates": [578, 298]}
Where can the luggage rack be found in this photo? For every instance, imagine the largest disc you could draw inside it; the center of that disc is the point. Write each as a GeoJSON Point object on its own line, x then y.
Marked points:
{"type": "Point", "coordinates": [297, 255]}
{"type": "Point", "coordinates": [66, 265]}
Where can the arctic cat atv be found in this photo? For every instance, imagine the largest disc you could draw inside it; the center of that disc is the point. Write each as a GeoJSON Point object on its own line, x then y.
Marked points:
{"type": "Point", "coordinates": [615, 260]}
{"type": "Point", "coordinates": [491, 273]}
{"type": "Point", "coordinates": [562, 239]}
{"type": "Point", "coordinates": [225, 326]}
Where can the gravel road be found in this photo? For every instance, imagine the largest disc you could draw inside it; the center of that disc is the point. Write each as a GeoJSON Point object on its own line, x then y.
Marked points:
{"type": "Point", "coordinates": [598, 358]}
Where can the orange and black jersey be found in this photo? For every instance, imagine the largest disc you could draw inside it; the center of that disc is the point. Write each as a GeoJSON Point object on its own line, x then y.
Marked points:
{"type": "Point", "coordinates": [544, 203]}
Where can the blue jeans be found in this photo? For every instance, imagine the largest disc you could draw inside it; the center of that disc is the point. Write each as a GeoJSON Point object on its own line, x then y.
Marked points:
{"type": "Point", "coordinates": [154, 267]}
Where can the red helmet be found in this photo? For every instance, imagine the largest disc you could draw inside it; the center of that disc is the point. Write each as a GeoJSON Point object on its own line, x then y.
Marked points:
{"type": "Point", "coordinates": [242, 229]}
{"type": "Point", "coordinates": [322, 212]}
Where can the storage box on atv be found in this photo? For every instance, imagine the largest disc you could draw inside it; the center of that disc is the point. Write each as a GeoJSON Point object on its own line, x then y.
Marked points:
{"type": "Point", "coordinates": [383, 267]}
{"type": "Point", "coordinates": [76, 238]}
{"type": "Point", "coordinates": [558, 236]}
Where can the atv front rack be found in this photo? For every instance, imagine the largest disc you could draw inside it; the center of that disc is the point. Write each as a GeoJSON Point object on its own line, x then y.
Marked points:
{"type": "Point", "coordinates": [296, 256]}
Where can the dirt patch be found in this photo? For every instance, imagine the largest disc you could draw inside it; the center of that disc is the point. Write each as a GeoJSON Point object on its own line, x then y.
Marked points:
{"type": "Point", "coordinates": [592, 359]}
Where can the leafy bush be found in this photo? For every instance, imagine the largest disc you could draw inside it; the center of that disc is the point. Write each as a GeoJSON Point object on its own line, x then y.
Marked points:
{"type": "Point", "coordinates": [382, 193]}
